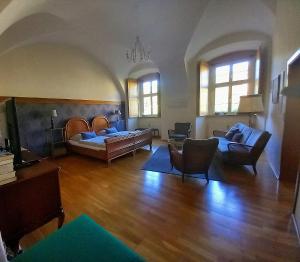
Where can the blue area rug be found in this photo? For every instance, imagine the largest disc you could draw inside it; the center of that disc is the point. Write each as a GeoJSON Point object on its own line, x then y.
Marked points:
{"type": "Point", "coordinates": [160, 162]}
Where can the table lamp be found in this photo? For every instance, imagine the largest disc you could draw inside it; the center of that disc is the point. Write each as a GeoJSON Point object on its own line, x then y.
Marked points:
{"type": "Point", "coordinates": [251, 104]}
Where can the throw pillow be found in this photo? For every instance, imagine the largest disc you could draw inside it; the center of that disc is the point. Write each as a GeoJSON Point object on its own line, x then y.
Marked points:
{"type": "Point", "coordinates": [237, 137]}
{"type": "Point", "coordinates": [101, 133]}
{"type": "Point", "coordinates": [111, 130]}
{"type": "Point", "coordinates": [88, 135]}
{"type": "Point", "coordinates": [229, 135]}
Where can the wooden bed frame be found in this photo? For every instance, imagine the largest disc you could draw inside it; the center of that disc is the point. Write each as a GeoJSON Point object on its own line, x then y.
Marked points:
{"type": "Point", "coordinates": [115, 146]}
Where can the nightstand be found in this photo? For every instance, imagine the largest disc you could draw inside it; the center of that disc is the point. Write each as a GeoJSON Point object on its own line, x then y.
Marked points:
{"type": "Point", "coordinates": [56, 141]}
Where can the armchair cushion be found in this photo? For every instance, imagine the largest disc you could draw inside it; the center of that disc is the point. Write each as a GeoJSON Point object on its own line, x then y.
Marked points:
{"type": "Point", "coordinates": [182, 128]}
{"type": "Point", "coordinates": [176, 157]}
{"type": "Point", "coordinates": [178, 136]}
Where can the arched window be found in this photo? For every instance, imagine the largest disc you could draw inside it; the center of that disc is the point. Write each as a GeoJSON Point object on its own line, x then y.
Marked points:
{"type": "Point", "coordinates": [224, 79]}
{"type": "Point", "coordinates": [144, 96]}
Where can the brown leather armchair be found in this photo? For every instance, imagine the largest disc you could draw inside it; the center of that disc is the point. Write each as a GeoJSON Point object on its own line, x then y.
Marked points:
{"type": "Point", "coordinates": [195, 157]}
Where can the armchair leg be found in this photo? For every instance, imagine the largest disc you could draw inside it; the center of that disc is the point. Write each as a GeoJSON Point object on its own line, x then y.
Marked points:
{"type": "Point", "coordinates": [254, 169]}
{"type": "Point", "coordinates": [182, 177]}
{"type": "Point", "coordinates": [206, 176]}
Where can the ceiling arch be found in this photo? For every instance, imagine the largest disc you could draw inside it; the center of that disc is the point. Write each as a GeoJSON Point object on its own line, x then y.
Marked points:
{"type": "Point", "coordinates": [104, 28]}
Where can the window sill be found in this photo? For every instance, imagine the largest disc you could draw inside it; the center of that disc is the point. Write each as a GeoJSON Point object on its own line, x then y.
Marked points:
{"type": "Point", "coordinates": [149, 116]}
{"type": "Point", "coordinates": [224, 115]}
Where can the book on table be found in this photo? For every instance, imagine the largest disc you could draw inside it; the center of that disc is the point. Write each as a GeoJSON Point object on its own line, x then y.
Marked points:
{"type": "Point", "coordinates": [6, 156]}
{"type": "Point", "coordinates": [9, 180]}
{"type": "Point", "coordinates": [6, 167]}
{"type": "Point", "coordinates": [7, 173]}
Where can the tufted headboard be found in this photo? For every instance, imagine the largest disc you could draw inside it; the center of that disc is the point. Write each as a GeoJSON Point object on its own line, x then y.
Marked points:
{"type": "Point", "coordinates": [75, 126]}
{"type": "Point", "coordinates": [99, 123]}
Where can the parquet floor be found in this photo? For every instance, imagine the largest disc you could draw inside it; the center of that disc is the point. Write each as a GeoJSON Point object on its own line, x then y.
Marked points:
{"type": "Point", "coordinates": [245, 218]}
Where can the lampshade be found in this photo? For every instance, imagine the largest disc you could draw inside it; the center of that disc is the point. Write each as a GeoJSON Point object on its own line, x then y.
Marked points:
{"type": "Point", "coordinates": [251, 104]}
{"type": "Point", "coordinates": [54, 113]}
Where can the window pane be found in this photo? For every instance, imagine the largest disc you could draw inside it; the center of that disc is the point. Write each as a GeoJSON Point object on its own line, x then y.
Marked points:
{"type": "Point", "coordinates": [146, 88]}
{"type": "Point", "coordinates": [237, 91]}
{"type": "Point", "coordinates": [154, 105]}
{"type": "Point", "coordinates": [240, 71]}
{"type": "Point", "coordinates": [222, 74]}
{"type": "Point", "coordinates": [221, 99]}
{"type": "Point", "coordinates": [154, 86]}
{"type": "Point", "coordinates": [147, 105]}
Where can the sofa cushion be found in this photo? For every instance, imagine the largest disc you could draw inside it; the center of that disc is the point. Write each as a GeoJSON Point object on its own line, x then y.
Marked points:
{"type": "Point", "coordinates": [237, 137]}
{"type": "Point", "coordinates": [229, 135]}
{"type": "Point", "coordinates": [246, 133]}
{"type": "Point", "coordinates": [254, 137]}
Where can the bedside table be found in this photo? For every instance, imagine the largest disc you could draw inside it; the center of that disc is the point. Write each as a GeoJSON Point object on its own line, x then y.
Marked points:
{"type": "Point", "coordinates": [56, 141]}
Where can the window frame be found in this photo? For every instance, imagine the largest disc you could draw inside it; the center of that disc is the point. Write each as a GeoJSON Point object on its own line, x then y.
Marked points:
{"type": "Point", "coordinates": [230, 60]}
{"type": "Point", "coordinates": [140, 81]}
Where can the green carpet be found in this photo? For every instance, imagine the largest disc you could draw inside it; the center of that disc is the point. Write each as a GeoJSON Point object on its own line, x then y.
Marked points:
{"type": "Point", "coordinates": [80, 240]}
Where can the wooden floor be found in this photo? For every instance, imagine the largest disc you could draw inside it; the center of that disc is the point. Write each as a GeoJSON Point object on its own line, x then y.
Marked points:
{"type": "Point", "coordinates": [244, 218]}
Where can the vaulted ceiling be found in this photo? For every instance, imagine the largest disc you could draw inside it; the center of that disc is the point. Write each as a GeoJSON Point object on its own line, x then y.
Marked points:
{"type": "Point", "coordinates": [105, 28]}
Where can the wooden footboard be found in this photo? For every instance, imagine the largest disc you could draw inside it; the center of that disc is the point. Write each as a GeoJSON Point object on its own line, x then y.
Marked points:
{"type": "Point", "coordinates": [143, 138]}
{"type": "Point", "coordinates": [118, 146]}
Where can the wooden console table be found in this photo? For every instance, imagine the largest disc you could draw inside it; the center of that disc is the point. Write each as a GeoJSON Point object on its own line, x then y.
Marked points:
{"type": "Point", "coordinates": [30, 202]}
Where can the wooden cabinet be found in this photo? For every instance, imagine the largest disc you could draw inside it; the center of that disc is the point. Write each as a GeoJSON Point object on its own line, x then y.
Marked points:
{"type": "Point", "coordinates": [30, 202]}
{"type": "Point", "coordinates": [291, 135]}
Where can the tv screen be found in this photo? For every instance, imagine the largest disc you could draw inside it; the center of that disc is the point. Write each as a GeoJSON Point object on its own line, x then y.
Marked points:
{"type": "Point", "coordinates": [13, 131]}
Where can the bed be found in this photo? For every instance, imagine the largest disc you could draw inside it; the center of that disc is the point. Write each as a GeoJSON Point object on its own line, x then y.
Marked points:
{"type": "Point", "coordinates": [104, 147]}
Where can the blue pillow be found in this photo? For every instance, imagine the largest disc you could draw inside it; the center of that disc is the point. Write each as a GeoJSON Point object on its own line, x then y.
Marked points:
{"type": "Point", "coordinates": [88, 135]}
{"type": "Point", "coordinates": [111, 130]}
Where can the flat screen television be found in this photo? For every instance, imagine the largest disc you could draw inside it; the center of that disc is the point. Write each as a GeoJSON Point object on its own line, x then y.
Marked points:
{"type": "Point", "coordinates": [22, 157]}
{"type": "Point", "coordinates": [13, 131]}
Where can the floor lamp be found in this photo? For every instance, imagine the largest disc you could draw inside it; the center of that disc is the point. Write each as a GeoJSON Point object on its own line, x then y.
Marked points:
{"type": "Point", "coordinates": [251, 105]}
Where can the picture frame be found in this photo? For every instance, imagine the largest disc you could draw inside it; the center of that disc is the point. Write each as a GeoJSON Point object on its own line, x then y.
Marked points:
{"type": "Point", "coordinates": [276, 89]}
{"type": "Point", "coordinates": [283, 80]}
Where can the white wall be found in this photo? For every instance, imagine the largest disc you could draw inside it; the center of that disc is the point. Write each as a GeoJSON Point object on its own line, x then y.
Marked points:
{"type": "Point", "coordinates": [286, 41]}
{"type": "Point", "coordinates": [226, 26]}
{"type": "Point", "coordinates": [54, 71]}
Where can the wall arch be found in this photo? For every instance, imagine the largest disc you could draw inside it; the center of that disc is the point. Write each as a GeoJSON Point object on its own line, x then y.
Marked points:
{"type": "Point", "coordinates": [46, 70]}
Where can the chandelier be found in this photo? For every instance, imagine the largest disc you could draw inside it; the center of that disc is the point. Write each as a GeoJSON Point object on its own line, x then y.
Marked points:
{"type": "Point", "coordinates": [138, 52]}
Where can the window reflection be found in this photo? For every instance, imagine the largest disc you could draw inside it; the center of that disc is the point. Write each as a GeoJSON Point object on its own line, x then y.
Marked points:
{"type": "Point", "coordinates": [152, 180]}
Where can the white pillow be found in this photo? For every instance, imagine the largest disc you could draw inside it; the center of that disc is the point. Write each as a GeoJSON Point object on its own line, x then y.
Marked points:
{"type": "Point", "coordinates": [76, 137]}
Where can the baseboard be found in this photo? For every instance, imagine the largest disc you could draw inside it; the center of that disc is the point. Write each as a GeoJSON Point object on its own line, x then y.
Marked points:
{"type": "Point", "coordinates": [296, 227]}
{"type": "Point", "coordinates": [275, 173]}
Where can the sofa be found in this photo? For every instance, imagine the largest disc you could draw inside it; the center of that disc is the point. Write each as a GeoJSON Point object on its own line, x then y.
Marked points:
{"type": "Point", "coordinates": [241, 144]}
